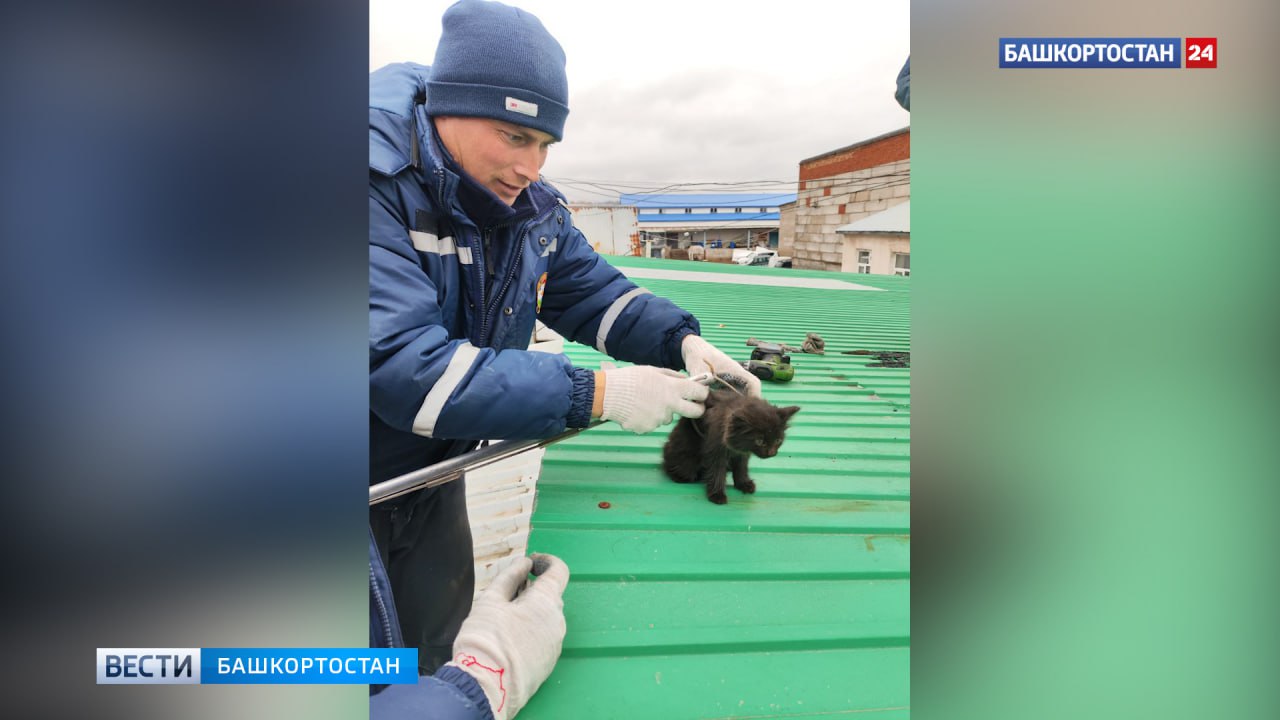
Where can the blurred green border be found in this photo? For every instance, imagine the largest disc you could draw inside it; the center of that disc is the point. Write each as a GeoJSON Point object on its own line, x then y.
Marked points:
{"type": "Point", "coordinates": [1094, 369]}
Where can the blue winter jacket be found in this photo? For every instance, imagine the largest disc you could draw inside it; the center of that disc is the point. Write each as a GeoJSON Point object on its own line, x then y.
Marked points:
{"type": "Point", "coordinates": [448, 324]}
{"type": "Point", "coordinates": [903, 93]}
{"type": "Point", "coordinates": [450, 694]}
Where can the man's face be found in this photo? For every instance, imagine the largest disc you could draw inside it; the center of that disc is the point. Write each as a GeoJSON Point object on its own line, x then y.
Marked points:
{"type": "Point", "coordinates": [503, 157]}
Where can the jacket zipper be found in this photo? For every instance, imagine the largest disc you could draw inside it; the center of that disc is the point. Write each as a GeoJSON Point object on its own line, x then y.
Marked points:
{"type": "Point", "coordinates": [511, 275]}
{"type": "Point", "coordinates": [478, 268]}
{"type": "Point", "coordinates": [382, 608]}
{"type": "Point", "coordinates": [486, 240]}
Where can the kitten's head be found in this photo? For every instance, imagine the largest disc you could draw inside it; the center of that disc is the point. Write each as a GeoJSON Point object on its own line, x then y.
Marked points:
{"type": "Point", "coordinates": [759, 427]}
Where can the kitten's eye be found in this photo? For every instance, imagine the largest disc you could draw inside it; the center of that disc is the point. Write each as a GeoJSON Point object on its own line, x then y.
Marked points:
{"type": "Point", "coordinates": [760, 442]}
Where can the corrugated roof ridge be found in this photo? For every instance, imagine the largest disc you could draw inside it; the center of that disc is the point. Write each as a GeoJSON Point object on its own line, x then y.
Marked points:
{"type": "Point", "coordinates": [682, 608]}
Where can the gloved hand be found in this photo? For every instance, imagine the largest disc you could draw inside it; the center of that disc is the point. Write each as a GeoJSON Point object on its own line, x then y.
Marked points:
{"type": "Point", "coordinates": [701, 356]}
{"type": "Point", "coordinates": [641, 397]}
{"type": "Point", "coordinates": [510, 645]}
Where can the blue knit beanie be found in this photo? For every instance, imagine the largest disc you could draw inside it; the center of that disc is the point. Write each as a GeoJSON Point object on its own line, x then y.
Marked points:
{"type": "Point", "coordinates": [496, 61]}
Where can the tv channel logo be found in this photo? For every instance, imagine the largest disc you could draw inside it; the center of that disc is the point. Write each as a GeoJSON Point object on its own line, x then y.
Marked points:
{"type": "Point", "coordinates": [1202, 52]}
{"type": "Point", "coordinates": [148, 666]}
{"type": "Point", "coordinates": [257, 666]}
{"type": "Point", "coordinates": [1117, 52]}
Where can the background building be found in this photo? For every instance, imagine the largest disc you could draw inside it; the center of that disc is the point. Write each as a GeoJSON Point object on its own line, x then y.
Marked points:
{"type": "Point", "coordinates": [787, 228]}
{"type": "Point", "coordinates": [879, 244]}
{"type": "Point", "coordinates": [719, 222]}
{"type": "Point", "coordinates": [841, 186]}
{"type": "Point", "coordinates": [610, 228]}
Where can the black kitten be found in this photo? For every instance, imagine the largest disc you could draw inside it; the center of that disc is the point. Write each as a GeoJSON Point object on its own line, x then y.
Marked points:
{"type": "Point", "coordinates": [734, 427]}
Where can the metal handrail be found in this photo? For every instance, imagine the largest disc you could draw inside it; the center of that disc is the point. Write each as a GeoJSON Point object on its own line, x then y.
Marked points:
{"type": "Point", "coordinates": [455, 467]}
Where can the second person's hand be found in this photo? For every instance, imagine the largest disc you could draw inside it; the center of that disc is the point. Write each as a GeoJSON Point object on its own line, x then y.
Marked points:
{"type": "Point", "coordinates": [701, 356]}
{"type": "Point", "coordinates": [511, 640]}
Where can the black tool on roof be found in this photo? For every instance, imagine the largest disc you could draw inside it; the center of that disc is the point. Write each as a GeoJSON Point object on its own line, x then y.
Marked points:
{"type": "Point", "coordinates": [770, 361]}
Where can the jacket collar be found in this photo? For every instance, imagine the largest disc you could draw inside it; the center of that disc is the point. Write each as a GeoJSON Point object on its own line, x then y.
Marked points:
{"type": "Point", "coordinates": [394, 93]}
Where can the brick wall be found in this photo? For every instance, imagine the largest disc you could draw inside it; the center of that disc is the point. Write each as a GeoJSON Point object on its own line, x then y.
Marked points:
{"type": "Point", "coordinates": [840, 187]}
{"type": "Point", "coordinates": [879, 151]}
{"type": "Point", "coordinates": [827, 203]}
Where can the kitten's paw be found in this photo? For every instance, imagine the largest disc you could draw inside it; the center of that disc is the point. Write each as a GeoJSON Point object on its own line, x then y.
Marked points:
{"type": "Point", "coordinates": [747, 487]}
{"type": "Point", "coordinates": [718, 498]}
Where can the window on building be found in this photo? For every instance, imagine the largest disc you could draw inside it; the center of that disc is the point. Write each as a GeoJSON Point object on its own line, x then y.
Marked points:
{"type": "Point", "coordinates": [688, 211]}
{"type": "Point", "coordinates": [864, 262]}
{"type": "Point", "coordinates": [764, 210]}
{"type": "Point", "coordinates": [661, 210]}
{"type": "Point", "coordinates": [737, 210]}
{"type": "Point", "coordinates": [714, 210]}
{"type": "Point", "coordinates": [902, 264]}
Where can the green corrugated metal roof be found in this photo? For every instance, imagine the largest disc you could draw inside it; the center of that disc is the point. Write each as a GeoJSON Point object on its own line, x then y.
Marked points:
{"type": "Point", "coordinates": [793, 602]}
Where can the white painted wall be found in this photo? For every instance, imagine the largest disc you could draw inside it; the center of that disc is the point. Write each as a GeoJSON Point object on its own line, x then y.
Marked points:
{"type": "Point", "coordinates": [500, 497]}
{"type": "Point", "coordinates": [882, 248]}
{"type": "Point", "coordinates": [608, 229]}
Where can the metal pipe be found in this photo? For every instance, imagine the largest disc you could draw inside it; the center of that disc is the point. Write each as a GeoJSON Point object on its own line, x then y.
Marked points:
{"type": "Point", "coordinates": [455, 467]}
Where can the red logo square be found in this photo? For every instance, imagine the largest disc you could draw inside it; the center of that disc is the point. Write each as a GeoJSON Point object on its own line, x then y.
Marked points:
{"type": "Point", "coordinates": [1202, 52]}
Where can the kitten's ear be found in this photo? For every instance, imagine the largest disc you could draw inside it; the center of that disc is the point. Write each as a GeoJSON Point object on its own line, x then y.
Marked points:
{"type": "Point", "coordinates": [786, 412]}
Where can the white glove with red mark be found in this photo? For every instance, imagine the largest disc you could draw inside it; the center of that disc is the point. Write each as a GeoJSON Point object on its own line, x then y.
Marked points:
{"type": "Point", "coordinates": [511, 640]}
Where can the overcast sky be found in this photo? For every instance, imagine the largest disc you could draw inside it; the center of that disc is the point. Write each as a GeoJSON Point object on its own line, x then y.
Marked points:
{"type": "Point", "coordinates": [685, 91]}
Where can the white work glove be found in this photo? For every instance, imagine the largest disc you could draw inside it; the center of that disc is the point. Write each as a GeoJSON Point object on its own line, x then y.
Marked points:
{"type": "Point", "coordinates": [641, 398]}
{"type": "Point", "coordinates": [510, 645]}
{"type": "Point", "coordinates": [701, 356]}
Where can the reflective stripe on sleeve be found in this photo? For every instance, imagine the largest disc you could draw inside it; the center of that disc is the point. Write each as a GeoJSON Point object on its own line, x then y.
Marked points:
{"type": "Point", "coordinates": [611, 316]}
{"type": "Point", "coordinates": [428, 243]}
{"type": "Point", "coordinates": [463, 358]}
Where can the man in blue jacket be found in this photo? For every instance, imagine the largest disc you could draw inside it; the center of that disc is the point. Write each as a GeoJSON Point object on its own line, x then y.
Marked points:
{"type": "Point", "coordinates": [467, 247]}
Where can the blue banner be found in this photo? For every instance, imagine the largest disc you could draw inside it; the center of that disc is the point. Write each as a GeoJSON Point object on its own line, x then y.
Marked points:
{"type": "Point", "coordinates": [1090, 52]}
{"type": "Point", "coordinates": [257, 666]}
{"type": "Point", "coordinates": [308, 666]}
